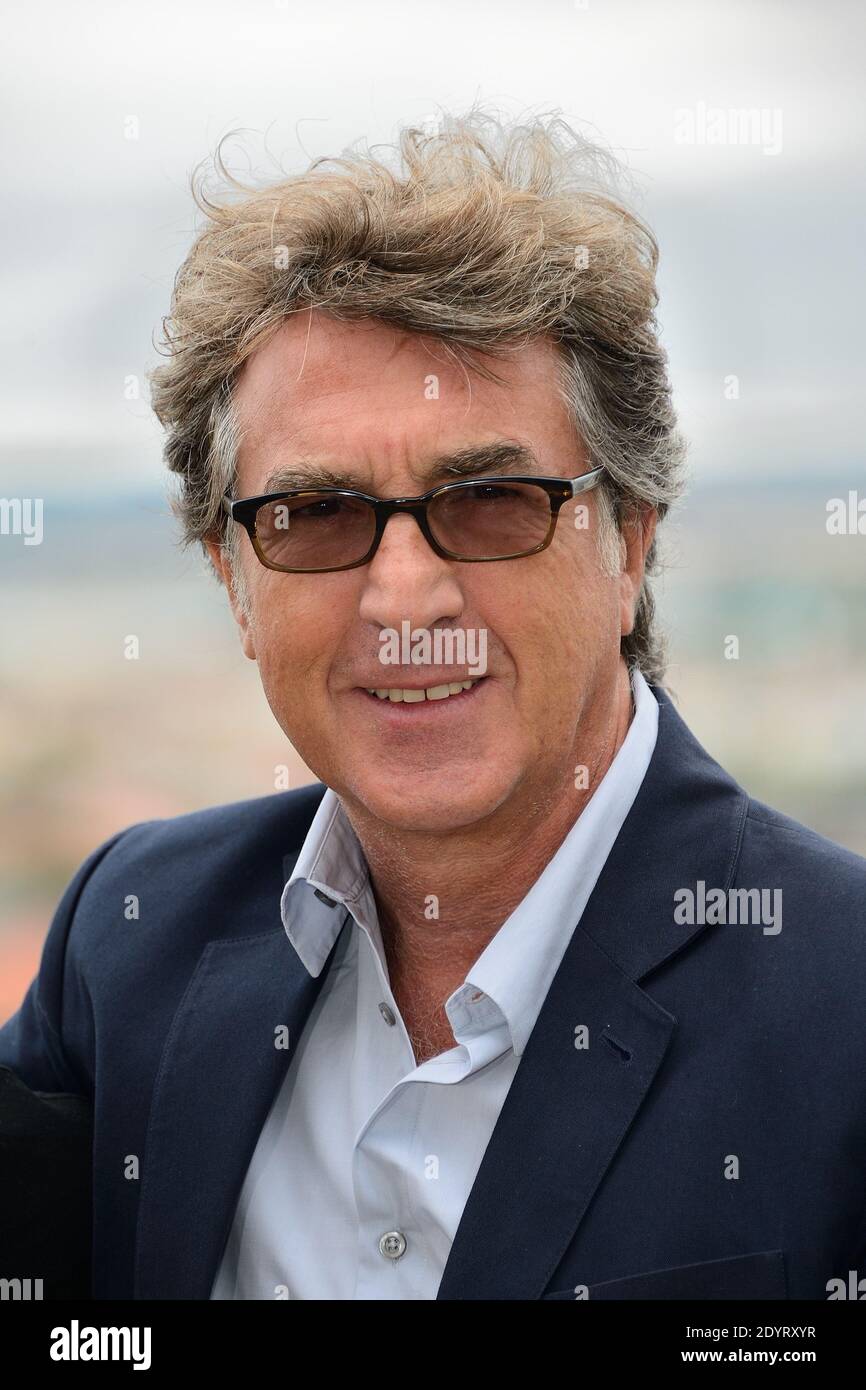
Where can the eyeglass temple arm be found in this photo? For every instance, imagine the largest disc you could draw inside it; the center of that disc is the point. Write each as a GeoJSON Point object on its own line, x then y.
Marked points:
{"type": "Point", "coordinates": [584, 481]}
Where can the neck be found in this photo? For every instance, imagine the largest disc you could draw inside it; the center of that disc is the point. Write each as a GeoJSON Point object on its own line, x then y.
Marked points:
{"type": "Point", "coordinates": [477, 875]}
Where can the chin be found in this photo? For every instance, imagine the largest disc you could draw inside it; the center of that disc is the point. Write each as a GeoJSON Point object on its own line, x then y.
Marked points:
{"type": "Point", "coordinates": [434, 803]}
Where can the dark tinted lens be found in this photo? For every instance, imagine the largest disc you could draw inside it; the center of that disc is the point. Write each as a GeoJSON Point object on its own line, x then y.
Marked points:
{"type": "Point", "coordinates": [315, 531]}
{"type": "Point", "coordinates": [491, 521]}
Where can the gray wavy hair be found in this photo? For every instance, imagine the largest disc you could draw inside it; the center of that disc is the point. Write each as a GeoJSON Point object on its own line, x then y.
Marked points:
{"type": "Point", "coordinates": [484, 235]}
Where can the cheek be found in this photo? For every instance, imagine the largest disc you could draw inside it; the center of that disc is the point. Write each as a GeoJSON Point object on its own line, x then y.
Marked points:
{"type": "Point", "coordinates": [567, 633]}
{"type": "Point", "coordinates": [571, 600]}
{"type": "Point", "coordinates": [296, 636]}
{"type": "Point", "coordinates": [588, 596]}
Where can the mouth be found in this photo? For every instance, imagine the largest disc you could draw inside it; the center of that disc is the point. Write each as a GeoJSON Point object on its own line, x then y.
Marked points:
{"type": "Point", "coordinates": [405, 704]}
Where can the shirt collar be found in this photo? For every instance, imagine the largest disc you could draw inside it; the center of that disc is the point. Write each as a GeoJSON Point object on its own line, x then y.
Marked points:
{"type": "Point", "coordinates": [516, 969]}
{"type": "Point", "coordinates": [518, 965]}
{"type": "Point", "coordinates": [331, 863]}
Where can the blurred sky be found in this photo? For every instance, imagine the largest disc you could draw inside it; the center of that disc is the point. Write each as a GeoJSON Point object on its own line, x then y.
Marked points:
{"type": "Point", "coordinates": [761, 271]}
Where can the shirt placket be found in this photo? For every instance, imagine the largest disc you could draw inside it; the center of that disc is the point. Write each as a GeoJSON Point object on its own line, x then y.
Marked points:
{"type": "Point", "coordinates": [387, 1111]}
{"type": "Point", "coordinates": [394, 1260]}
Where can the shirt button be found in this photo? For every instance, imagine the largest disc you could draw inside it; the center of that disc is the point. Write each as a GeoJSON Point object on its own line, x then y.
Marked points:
{"type": "Point", "coordinates": [392, 1244]}
{"type": "Point", "coordinates": [388, 1015]}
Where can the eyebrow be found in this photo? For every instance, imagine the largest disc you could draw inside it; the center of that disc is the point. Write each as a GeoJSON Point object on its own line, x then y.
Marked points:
{"type": "Point", "coordinates": [504, 456]}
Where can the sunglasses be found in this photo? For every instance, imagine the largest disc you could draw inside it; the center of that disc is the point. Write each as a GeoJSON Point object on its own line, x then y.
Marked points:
{"type": "Point", "coordinates": [317, 531]}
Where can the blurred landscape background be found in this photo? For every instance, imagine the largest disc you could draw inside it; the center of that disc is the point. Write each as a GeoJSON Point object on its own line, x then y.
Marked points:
{"type": "Point", "coordinates": [761, 285]}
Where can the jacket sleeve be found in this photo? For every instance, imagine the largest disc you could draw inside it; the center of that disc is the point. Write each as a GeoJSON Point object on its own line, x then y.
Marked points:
{"type": "Point", "coordinates": [32, 1041]}
{"type": "Point", "coordinates": [45, 1188]}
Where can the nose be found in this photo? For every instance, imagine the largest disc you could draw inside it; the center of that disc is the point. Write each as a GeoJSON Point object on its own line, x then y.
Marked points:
{"type": "Point", "coordinates": [406, 579]}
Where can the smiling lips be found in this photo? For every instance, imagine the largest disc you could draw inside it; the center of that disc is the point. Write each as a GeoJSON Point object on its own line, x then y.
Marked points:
{"type": "Point", "coordinates": [398, 695]}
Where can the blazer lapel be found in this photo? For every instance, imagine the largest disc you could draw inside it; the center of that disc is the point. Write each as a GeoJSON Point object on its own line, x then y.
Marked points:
{"type": "Point", "coordinates": [569, 1109]}
{"type": "Point", "coordinates": [219, 1074]}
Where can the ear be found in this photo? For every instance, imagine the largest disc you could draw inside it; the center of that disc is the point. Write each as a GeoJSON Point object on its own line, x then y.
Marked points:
{"type": "Point", "coordinates": [221, 564]}
{"type": "Point", "coordinates": [637, 537]}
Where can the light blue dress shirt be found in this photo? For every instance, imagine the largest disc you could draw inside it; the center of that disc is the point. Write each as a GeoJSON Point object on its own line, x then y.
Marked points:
{"type": "Point", "coordinates": [363, 1167]}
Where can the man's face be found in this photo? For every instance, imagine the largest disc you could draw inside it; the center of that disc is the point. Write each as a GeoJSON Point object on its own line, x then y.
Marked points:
{"type": "Point", "coordinates": [356, 398]}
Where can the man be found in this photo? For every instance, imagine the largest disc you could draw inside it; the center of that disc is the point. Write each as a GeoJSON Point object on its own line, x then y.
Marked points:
{"type": "Point", "coordinates": [526, 998]}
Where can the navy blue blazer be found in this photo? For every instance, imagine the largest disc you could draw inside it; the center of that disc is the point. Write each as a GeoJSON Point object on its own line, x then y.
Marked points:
{"type": "Point", "coordinates": [709, 1142]}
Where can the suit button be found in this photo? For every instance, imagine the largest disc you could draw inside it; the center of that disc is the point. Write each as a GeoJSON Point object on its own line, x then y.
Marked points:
{"type": "Point", "coordinates": [392, 1244]}
{"type": "Point", "coordinates": [387, 1014]}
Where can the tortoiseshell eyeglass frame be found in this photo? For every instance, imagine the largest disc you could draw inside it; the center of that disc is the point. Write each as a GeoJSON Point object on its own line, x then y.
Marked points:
{"type": "Point", "coordinates": [559, 491]}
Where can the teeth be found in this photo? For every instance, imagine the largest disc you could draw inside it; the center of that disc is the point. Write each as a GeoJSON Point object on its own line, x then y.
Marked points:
{"type": "Point", "coordinates": [435, 692]}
